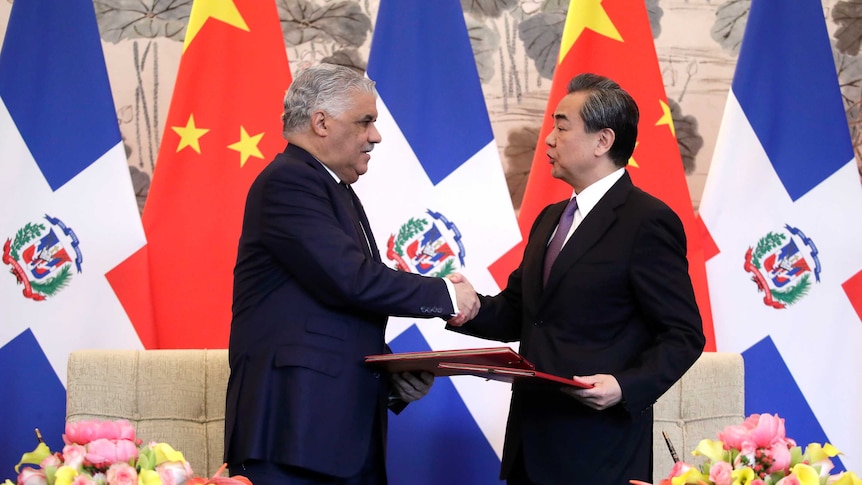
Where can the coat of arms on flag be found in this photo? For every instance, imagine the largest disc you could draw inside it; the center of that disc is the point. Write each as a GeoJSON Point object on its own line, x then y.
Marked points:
{"type": "Point", "coordinates": [41, 257]}
{"type": "Point", "coordinates": [428, 246]}
{"type": "Point", "coordinates": [782, 264]}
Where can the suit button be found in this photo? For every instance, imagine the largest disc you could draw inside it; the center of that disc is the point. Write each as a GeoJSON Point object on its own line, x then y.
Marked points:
{"type": "Point", "coordinates": [537, 323]}
{"type": "Point", "coordinates": [377, 375]}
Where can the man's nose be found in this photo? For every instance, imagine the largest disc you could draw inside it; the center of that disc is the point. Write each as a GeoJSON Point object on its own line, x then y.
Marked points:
{"type": "Point", "coordinates": [374, 135]}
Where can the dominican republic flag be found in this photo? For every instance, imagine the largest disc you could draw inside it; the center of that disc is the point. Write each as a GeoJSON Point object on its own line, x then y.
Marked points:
{"type": "Point", "coordinates": [782, 203]}
{"type": "Point", "coordinates": [68, 215]}
{"type": "Point", "coordinates": [438, 203]}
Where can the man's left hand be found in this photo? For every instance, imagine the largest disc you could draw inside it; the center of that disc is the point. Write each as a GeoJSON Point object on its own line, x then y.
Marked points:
{"type": "Point", "coordinates": [606, 391]}
{"type": "Point", "coordinates": [411, 386]}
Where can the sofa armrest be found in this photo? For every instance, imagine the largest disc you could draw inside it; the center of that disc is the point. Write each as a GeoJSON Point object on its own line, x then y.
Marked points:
{"type": "Point", "coordinates": [708, 398]}
{"type": "Point", "coordinates": [171, 396]}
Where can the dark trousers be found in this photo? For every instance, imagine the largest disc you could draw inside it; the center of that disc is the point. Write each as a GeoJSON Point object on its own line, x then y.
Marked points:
{"type": "Point", "coordinates": [373, 472]}
{"type": "Point", "coordinates": [265, 473]}
{"type": "Point", "coordinates": [518, 473]}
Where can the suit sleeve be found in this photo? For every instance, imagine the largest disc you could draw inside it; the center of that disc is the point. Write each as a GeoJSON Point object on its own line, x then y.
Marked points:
{"type": "Point", "coordinates": [305, 225]}
{"type": "Point", "coordinates": [501, 316]}
{"type": "Point", "coordinates": [665, 298]}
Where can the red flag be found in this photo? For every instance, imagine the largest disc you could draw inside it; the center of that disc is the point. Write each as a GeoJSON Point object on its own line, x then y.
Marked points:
{"type": "Point", "coordinates": [223, 127]}
{"type": "Point", "coordinates": [613, 38]}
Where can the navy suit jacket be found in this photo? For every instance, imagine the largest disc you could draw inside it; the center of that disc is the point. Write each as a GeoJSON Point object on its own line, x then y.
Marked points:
{"type": "Point", "coordinates": [310, 302]}
{"type": "Point", "coordinates": [618, 301]}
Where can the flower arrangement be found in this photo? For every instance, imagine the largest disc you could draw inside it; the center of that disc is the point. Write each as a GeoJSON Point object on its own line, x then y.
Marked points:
{"type": "Point", "coordinates": [757, 452]}
{"type": "Point", "coordinates": [109, 453]}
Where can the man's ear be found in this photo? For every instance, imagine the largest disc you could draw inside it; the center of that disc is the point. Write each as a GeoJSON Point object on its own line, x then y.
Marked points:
{"type": "Point", "coordinates": [605, 141]}
{"type": "Point", "coordinates": [318, 123]}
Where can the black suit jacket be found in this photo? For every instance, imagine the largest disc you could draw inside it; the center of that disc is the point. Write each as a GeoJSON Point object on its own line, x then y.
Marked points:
{"type": "Point", "coordinates": [310, 301]}
{"type": "Point", "coordinates": [618, 301]}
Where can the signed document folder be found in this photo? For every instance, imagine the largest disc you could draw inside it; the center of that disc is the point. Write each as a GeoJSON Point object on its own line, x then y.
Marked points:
{"type": "Point", "coordinates": [428, 361]}
{"type": "Point", "coordinates": [497, 363]}
{"type": "Point", "coordinates": [508, 374]}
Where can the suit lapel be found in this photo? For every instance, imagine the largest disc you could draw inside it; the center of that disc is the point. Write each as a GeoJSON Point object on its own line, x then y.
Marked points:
{"type": "Point", "coordinates": [357, 215]}
{"type": "Point", "coordinates": [364, 227]}
{"type": "Point", "coordinates": [589, 232]}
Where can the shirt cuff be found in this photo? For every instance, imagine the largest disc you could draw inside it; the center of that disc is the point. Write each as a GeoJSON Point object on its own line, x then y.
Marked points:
{"type": "Point", "coordinates": [451, 287]}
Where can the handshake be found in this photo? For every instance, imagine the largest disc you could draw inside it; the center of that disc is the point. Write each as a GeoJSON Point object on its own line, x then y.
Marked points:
{"type": "Point", "coordinates": [467, 299]}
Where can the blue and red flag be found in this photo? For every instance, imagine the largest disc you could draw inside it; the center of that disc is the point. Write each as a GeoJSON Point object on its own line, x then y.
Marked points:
{"type": "Point", "coordinates": [782, 204]}
{"type": "Point", "coordinates": [437, 200]}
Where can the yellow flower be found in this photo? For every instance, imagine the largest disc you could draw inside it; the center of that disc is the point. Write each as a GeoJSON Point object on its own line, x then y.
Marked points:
{"type": "Point", "coordinates": [713, 450]}
{"type": "Point", "coordinates": [848, 478]}
{"type": "Point", "coordinates": [692, 476]}
{"type": "Point", "coordinates": [742, 476]}
{"type": "Point", "coordinates": [34, 457]}
{"type": "Point", "coordinates": [164, 452]}
{"type": "Point", "coordinates": [149, 477]}
{"type": "Point", "coordinates": [65, 475]}
{"type": "Point", "coordinates": [817, 453]}
{"type": "Point", "coordinates": [806, 474]}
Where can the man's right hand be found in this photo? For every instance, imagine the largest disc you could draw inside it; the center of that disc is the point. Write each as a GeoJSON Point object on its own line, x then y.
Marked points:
{"type": "Point", "coordinates": [468, 300]}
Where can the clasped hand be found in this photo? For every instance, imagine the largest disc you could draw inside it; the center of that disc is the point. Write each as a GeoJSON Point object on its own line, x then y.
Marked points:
{"type": "Point", "coordinates": [468, 300]}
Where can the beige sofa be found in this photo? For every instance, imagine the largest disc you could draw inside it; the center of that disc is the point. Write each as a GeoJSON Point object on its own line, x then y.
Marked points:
{"type": "Point", "coordinates": [177, 396]}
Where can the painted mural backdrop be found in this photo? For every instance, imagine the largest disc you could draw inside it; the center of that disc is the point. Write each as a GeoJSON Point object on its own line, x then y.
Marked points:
{"type": "Point", "coordinates": [514, 42]}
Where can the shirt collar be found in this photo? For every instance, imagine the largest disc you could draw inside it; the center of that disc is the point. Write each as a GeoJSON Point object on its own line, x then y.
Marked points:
{"type": "Point", "coordinates": [590, 196]}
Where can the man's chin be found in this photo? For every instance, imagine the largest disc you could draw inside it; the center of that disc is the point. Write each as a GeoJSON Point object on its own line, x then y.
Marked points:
{"type": "Point", "coordinates": [360, 171]}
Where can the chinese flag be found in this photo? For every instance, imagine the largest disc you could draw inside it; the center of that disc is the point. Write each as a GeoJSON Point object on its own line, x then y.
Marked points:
{"type": "Point", "coordinates": [613, 38]}
{"type": "Point", "coordinates": [223, 127]}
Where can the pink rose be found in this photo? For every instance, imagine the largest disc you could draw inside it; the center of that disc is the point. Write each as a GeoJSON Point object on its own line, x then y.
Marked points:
{"type": "Point", "coordinates": [83, 480]}
{"type": "Point", "coordinates": [122, 474]}
{"type": "Point", "coordinates": [780, 455]}
{"type": "Point", "coordinates": [80, 432]}
{"type": "Point", "coordinates": [765, 429]}
{"type": "Point", "coordinates": [73, 456]}
{"type": "Point", "coordinates": [174, 472]}
{"type": "Point", "coordinates": [679, 467]}
{"type": "Point", "coordinates": [106, 452]}
{"type": "Point", "coordinates": [733, 436]}
{"type": "Point", "coordinates": [83, 432]}
{"type": "Point", "coordinates": [719, 473]}
{"type": "Point", "coordinates": [32, 476]}
{"type": "Point", "coordinates": [52, 460]}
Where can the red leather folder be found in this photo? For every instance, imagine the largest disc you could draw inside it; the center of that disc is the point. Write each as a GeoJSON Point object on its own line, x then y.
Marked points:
{"type": "Point", "coordinates": [429, 361]}
{"type": "Point", "coordinates": [509, 374]}
{"type": "Point", "coordinates": [497, 363]}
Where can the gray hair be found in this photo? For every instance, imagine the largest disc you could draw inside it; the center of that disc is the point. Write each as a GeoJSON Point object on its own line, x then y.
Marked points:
{"type": "Point", "coordinates": [607, 105]}
{"type": "Point", "coordinates": [326, 87]}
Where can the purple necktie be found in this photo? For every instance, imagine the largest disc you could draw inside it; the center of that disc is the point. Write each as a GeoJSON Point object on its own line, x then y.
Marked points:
{"type": "Point", "coordinates": [556, 244]}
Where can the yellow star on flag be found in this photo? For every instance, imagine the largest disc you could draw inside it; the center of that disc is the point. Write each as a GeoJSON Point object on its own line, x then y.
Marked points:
{"type": "Point", "coordinates": [190, 135]}
{"type": "Point", "coordinates": [666, 118]}
{"type": "Point", "coordinates": [203, 10]}
{"type": "Point", "coordinates": [247, 145]}
{"type": "Point", "coordinates": [632, 162]}
{"type": "Point", "coordinates": [591, 16]}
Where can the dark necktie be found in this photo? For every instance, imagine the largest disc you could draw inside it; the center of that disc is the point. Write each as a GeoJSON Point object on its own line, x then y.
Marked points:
{"type": "Point", "coordinates": [556, 244]}
{"type": "Point", "coordinates": [363, 223]}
